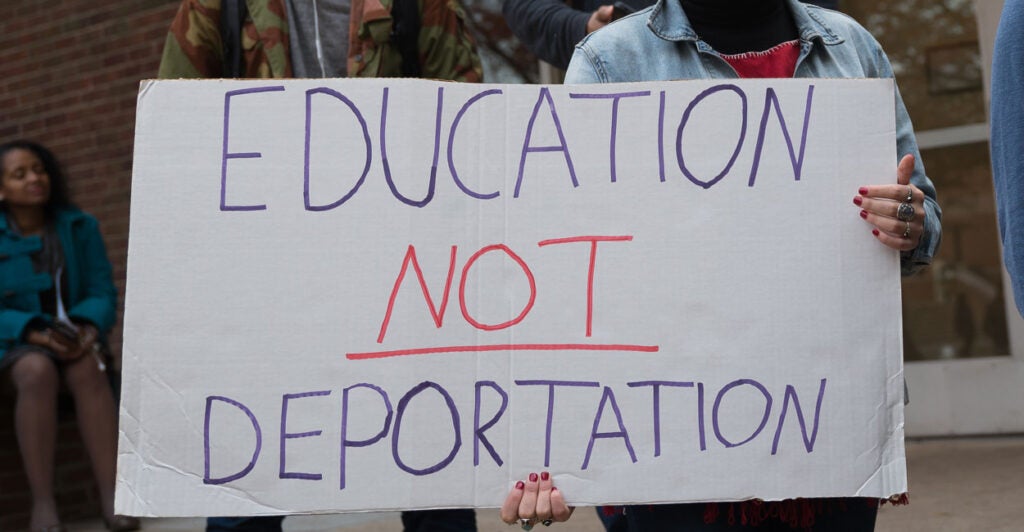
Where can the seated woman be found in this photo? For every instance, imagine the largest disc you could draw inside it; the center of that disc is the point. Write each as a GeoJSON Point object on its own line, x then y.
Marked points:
{"type": "Point", "coordinates": [57, 302]}
{"type": "Point", "coordinates": [708, 39]}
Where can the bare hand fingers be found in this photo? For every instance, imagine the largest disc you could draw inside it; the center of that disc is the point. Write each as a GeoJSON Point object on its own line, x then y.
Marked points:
{"type": "Point", "coordinates": [908, 232]}
{"type": "Point", "coordinates": [544, 497]}
{"type": "Point", "coordinates": [897, 241]}
{"type": "Point", "coordinates": [890, 194]}
{"type": "Point", "coordinates": [890, 209]}
{"type": "Point", "coordinates": [70, 355]}
{"type": "Point", "coordinates": [88, 335]}
{"type": "Point", "coordinates": [559, 510]}
{"type": "Point", "coordinates": [599, 18]}
{"type": "Point", "coordinates": [62, 347]}
{"type": "Point", "coordinates": [528, 506]}
{"type": "Point", "coordinates": [905, 169]}
{"type": "Point", "coordinates": [510, 508]}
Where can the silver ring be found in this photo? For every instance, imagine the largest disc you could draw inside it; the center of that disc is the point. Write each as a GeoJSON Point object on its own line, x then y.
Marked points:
{"type": "Point", "coordinates": [905, 212]}
{"type": "Point", "coordinates": [525, 524]}
{"type": "Point", "coordinates": [910, 195]}
{"type": "Point", "coordinates": [906, 232]}
{"type": "Point", "coordinates": [547, 522]}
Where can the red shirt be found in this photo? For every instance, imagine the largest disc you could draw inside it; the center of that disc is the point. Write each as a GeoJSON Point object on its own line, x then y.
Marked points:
{"type": "Point", "coordinates": [776, 62]}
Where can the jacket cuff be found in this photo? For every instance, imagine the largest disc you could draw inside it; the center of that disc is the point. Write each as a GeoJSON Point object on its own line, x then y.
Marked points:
{"type": "Point", "coordinates": [916, 259]}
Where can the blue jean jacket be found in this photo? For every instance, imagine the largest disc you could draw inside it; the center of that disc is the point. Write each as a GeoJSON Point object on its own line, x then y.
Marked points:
{"type": "Point", "coordinates": [658, 43]}
{"type": "Point", "coordinates": [1007, 116]}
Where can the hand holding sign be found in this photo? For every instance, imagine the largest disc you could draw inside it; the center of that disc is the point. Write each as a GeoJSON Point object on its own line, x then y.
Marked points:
{"type": "Point", "coordinates": [535, 501]}
{"type": "Point", "coordinates": [897, 211]}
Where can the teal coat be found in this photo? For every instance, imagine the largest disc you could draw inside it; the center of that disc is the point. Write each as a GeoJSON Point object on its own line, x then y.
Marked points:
{"type": "Point", "coordinates": [92, 296]}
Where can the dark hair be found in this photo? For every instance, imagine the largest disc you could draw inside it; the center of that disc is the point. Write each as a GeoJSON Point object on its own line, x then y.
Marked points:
{"type": "Point", "coordinates": [59, 197]}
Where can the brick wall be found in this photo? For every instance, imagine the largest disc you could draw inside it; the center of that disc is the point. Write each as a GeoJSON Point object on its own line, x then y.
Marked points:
{"type": "Point", "coordinates": [69, 75]}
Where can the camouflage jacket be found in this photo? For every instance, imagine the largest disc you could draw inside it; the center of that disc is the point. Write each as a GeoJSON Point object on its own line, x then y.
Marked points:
{"type": "Point", "coordinates": [193, 48]}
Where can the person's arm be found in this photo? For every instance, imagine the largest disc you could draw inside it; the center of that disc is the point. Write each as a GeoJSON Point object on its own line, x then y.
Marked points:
{"type": "Point", "coordinates": [917, 250]}
{"type": "Point", "coordinates": [99, 306]}
{"type": "Point", "coordinates": [906, 144]}
{"type": "Point", "coordinates": [16, 274]}
{"type": "Point", "coordinates": [549, 28]}
{"type": "Point", "coordinates": [448, 50]}
{"type": "Point", "coordinates": [193, 48]}
{"type": "Point", "coordinates": [14, 324]}
{"type": "Point", "coordinates": [1007, 116]}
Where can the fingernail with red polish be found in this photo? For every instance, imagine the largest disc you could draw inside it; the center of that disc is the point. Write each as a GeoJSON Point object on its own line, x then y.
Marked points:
{"type": "Point", "coordinates": [864, 214]}
{"type": "Point", "coordinates": [533, 477]}
{"type": "Point", "coordinates": [520, 485]}
{"type": "Point", "coordinates": [544, 475]}
{"type": "Point", "coordinates": [858, 200]}
{"type": "Point", "coordinates": [554, 489]}
{"type": "Point", "coordinates": [863, 191]}
{"type": "Point", "coordinates": [874, 232]}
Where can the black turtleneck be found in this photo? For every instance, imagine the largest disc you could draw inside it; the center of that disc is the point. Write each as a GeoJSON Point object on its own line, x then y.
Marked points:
{"type": "Point", "coordinates": [739, 26]}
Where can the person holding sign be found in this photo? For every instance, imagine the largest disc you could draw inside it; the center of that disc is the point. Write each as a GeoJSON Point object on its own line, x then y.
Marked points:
{"type": "Point", "coordinates": [324, 39]}
{"type": "Point", "coordinates": [702, 39]}
{"type": "Point", "coordinates": [58, 303]}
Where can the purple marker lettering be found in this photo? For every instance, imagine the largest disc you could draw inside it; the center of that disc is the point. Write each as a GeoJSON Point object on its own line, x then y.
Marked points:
{"type": "Point", "coordinates": [345, 442]}
{"type": "Point", "coordinates": [402, 404]}
{"type": "Point", "coordinates": [656, 399]}
{"type": "Point", "coordinates": [615, 116]}
{"type": "Point", "coordinates": [700, 416]}
{"type": "Point", "coordinates": [451, 147]}
{"type": "Point", "coordinates": [225, 154]}
{"type": "Point", "coordinates": [545, 95]}
{"type": "Point", "coordinates": [551, 406]}
{"type": "Point", "coordinates": [366, 141]}
{"type": "Point", "coordinates": [286, 436]}
{"type": "Point", "coordinates": [433, 165]}
{"type": "Point", "coordinates": [661, 136]}
{"type": "Point", "coordinates": [771, 100]}
{"type": "Point", "coordinates": [808, 441]}
{"type": "Point", "coordinates": [718, 402]}
{"type": "Point", "coordinates": [478, 430]}
{"type": "Point", "coordinates": [686, 117]}
{"type": "Point", "coordinates": [206, 441]}
{"type": "Point", "coordinates": [608, 397]}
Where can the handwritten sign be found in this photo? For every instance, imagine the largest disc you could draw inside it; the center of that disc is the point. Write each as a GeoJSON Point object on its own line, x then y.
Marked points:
{"type": "Point", "coordinates": [391, 294]}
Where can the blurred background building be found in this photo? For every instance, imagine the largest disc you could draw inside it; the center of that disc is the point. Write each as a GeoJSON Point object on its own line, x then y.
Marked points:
{"type": "Point", "coordinates": [69, 74]}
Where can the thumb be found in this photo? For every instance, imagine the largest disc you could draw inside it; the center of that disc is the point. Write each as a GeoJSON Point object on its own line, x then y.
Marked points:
{"type": "Point", "coordinates": [599, 18]}
{"type": "Point", "coordinates": [905, 169]}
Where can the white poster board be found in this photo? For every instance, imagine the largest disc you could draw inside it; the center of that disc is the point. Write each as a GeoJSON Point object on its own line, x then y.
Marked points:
{"type": "Point", "coordinates": [391, 294]}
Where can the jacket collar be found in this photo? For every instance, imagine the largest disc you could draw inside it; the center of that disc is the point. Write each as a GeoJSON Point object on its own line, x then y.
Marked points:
{"type": "Point", "coordinates": [668, 21]}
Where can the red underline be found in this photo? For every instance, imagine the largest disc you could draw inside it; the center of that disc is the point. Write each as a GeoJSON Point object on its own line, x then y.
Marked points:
{"type": "Point", "coordinates": [503, 347]}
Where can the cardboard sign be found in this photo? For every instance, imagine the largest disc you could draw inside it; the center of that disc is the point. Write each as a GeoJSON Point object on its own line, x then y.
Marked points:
{"type": "Point", "coordinates": [393, 294]}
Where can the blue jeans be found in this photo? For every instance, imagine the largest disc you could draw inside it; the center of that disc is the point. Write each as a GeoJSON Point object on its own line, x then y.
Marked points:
{"type": "Point", "coordinates": [846, 514]}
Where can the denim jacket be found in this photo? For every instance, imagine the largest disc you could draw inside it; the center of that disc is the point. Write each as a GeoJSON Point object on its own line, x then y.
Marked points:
{"type": "Point", "coordinates": [1007, 115]}
{"type": "Point", "coordinates": [658, 43]}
